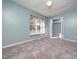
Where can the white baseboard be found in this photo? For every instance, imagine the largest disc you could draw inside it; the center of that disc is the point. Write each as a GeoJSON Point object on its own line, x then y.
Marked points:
{"type": "Point", "coordinates": [53, 37]}
{"type": "Point", "coordinates": [56, 37]}
{"type": "Point", "coordinates": [71, 40]}
{"type": "Point", "coordinates": [32, 40]}
{"type": "Point", "coordinates": [21, 42]}
{"type": "Point", "coordinates": [65, 39]}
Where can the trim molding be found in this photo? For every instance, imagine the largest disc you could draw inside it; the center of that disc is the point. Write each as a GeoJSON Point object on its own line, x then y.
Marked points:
{"type": "Point", "coordinates": [21, 42]}
{"type": "Point", "coordinates": [66, 39]}
{"type": "Point", "coordinates": [71, 40]}
{"type": "Point", "coordinates": [32, 40]}
{"type": "Point", "coordinates": [51, 26]}
{"type": "Point", "coordinates": [56, 37]}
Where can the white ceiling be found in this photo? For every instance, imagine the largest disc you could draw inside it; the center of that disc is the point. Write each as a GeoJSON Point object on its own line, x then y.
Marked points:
{"type": "Point", "coordinates": [58, 6]}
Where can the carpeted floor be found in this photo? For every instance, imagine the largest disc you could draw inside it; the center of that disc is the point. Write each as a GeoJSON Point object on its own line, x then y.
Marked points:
{"type": "Point", "coordinates": [44, 48]}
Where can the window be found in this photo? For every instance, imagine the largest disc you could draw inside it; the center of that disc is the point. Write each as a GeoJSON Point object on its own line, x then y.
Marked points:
{"type": "Point", "coordinates": [37, 25]}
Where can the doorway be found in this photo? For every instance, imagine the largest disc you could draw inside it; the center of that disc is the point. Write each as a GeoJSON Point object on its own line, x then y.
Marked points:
{"type": "Point", "coordinates": [56, 27]}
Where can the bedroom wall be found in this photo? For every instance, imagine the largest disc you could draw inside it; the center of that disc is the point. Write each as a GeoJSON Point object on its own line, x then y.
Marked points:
{"type": "Point", "coordinates": [70, 24]}
{"type": "Point", "coordinates": [15, 24]}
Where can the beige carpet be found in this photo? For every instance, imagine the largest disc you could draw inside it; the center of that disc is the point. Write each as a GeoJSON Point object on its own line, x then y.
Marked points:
{"type": "Point", "coordinates": [44, 48]}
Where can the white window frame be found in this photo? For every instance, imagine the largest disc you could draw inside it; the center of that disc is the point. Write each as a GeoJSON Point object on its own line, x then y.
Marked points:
{"type": "Point", "coordinates": [42, 26]}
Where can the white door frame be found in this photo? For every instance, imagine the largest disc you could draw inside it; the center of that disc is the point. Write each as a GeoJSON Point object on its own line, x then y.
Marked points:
{"type": "Point", "coordinates": [62, 28]}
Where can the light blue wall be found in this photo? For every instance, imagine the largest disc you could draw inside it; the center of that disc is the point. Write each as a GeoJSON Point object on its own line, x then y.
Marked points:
{"type": "Point", "coordinates": [70, 24]}
{"type": "Point", "coordinates": [16, 20]}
